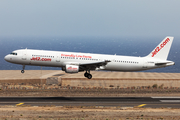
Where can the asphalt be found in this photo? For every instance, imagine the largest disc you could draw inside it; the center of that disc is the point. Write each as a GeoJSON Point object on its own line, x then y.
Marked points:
{"type": "Point", "coordinates": [148, 102]}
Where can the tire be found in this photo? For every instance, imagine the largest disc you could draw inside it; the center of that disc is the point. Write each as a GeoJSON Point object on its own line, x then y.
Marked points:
{"type": "Point", "coordinates": [22, 71]}
{"type": "Point", "coordinates": [89, 76]}
{"type": "Point", "coordinates": [85, 74]}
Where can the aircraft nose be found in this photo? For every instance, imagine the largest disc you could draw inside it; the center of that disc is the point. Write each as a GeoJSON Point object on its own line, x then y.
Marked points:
{"type": "Point", "coordinates": [6, 58]}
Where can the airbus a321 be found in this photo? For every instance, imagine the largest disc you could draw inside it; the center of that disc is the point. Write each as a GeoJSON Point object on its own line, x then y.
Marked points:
{"type": "Point", "coordinates": [73, 62]}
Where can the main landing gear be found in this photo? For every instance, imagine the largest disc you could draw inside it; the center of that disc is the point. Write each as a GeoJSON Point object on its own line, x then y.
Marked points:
{"type": "Point", "coordinates": [22, 71]}
{"type": "Point", "coordinates": [88, 75]}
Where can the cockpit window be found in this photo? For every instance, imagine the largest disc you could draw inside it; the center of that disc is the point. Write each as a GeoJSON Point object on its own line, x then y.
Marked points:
{"type": "Point", "coordinates": [13, 53]}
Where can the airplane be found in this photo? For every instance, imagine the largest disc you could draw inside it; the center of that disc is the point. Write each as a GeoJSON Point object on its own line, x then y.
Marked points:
{"type": "Point", "coordinates": [73, 62]}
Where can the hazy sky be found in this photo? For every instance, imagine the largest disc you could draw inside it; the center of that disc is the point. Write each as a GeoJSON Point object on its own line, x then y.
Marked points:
{"type": "Point", "coordinates": [90, 18]}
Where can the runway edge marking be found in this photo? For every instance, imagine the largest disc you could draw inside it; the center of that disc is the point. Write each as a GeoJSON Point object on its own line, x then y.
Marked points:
{"type": "Point", "coordinates": [19, 104]}
{"type": "Point", "coordinates": [141, 105]}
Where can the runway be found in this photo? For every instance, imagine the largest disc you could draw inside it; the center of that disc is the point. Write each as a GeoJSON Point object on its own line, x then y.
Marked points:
{"type": "Point", "coordinates": [148, 102]}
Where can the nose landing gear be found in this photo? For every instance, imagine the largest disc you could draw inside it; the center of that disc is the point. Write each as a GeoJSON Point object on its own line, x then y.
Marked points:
{"type": "Point", "coordinates": [22, 71]}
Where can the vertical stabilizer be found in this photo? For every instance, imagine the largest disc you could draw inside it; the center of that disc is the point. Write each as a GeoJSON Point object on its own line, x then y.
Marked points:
{"type": "Point", "coordinates": [162, 50]}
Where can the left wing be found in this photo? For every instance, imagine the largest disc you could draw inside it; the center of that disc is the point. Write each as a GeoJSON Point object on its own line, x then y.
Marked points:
{"type": "Point", "coordinates": [93, 65]}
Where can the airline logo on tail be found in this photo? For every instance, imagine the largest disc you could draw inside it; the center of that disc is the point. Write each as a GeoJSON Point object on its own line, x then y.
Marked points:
{"type": "Point", "coordinates": [158, 48]}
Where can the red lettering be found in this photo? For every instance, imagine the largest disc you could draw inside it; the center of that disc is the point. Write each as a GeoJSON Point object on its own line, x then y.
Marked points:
{"type": "Point", "coordinates": [153, 54]}
{"type": "Point", "coordinates": [72, 55]}
{"type": "Point", "coordinates": [40, 59]}
{"type": "Point", "coordinates": [165, 42]}
{"type": "Point", "coordinates": [168, 39]}
{"type": "Point", "coordinates": [71, 68]}
{"type": "Point", "coordinates": [160, 47]}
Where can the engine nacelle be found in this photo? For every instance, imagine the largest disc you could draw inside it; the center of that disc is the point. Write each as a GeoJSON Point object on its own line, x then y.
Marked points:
{"type": "Point", "coordinates": [100, 68]}
{"type": "Point", "coordinates": [72, 69]}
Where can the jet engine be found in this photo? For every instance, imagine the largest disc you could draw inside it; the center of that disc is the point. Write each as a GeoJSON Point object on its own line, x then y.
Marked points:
{"type": "Point", "coordinates": [71, 69]}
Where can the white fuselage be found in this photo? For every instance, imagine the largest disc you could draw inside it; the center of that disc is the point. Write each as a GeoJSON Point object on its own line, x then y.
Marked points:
{"type": "Point", "coordinates": [60, 59]}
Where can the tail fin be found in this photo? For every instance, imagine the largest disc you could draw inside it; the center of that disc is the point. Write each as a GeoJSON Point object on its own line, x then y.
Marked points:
{"type": "Point", "coordinates": [162, 50]}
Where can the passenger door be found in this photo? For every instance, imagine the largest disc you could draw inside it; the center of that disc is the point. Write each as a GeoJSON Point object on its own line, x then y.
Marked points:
{"type": "Point", "coordinates": [24, 55]}
{"type": "Point", "coordinates": [57, 58]}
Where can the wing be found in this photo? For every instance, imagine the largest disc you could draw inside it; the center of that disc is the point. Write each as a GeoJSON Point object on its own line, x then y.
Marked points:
{"type": "Point", "coordinates": [93, 65]}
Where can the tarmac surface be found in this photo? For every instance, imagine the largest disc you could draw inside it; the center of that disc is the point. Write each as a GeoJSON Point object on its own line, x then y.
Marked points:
{"type": "Point", "coordinates": [148, 102]}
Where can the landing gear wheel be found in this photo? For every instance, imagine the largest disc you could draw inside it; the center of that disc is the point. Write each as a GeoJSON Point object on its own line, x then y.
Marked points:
{"type": "Point", "coordinates": [89, 76]}
{"type": "Point", "coordinates": [86, 74]}
{"type": "Point", "coordinates": [22, 71]}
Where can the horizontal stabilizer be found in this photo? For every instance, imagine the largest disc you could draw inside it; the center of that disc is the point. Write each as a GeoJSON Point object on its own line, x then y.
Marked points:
{"type": "Point", "coordinates": [165, 63]}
